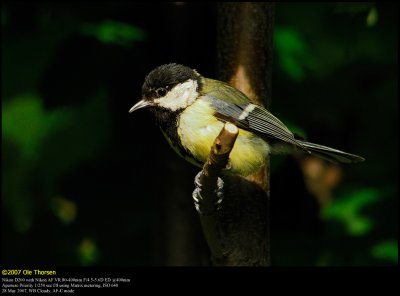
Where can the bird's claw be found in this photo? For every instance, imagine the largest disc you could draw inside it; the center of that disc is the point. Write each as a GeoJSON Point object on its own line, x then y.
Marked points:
{"type": "Point", "coordinates": [203, 206]}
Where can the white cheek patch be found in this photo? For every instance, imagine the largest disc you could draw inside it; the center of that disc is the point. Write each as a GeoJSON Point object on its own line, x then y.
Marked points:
{"type": "Point", "coordinates": [246, 111]}
{"type": "Point", "coordinates": [180, 97]}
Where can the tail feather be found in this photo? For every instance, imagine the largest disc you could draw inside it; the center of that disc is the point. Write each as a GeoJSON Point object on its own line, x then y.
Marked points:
{"type": "Point", "coordinates": [331, 154]}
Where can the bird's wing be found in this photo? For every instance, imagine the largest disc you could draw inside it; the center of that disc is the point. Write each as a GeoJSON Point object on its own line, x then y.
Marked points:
{"type": "Point", "coordinates": [249, 116]}
{"type": "Point", "coordinates": [219, 89]}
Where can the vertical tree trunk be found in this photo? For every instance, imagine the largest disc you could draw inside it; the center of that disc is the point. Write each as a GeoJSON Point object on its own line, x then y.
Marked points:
{"type": "Point", "coordinates": [244, 60]}
{"type": "Point", "coordinates": [244, 46]}
{"type": "Point", "coordinates": [244, 36]}
{"type": "Point", "coordinates": [245, 32]}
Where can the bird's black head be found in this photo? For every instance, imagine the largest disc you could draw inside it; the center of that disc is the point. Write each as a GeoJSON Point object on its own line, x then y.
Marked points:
{"type": "Point", "coordinates": [164, 78]}
{"type": "Point", "coordinates": [170, 87]}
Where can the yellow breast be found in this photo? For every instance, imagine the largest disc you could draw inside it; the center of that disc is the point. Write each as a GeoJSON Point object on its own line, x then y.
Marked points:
{"type": "Point", "coordinates": [198, 128]}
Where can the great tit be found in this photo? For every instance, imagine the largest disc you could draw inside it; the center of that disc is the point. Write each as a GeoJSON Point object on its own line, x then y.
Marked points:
{"type": "Point", "coordinates": [191, 111]}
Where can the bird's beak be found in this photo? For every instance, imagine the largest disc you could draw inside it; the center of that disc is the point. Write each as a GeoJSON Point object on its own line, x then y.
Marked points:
{"type": "Point", "coordinates": [139, 105]}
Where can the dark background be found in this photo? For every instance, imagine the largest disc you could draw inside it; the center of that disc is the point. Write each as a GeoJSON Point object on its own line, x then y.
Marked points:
{"type": "Point", "coordinates": [86, 183]}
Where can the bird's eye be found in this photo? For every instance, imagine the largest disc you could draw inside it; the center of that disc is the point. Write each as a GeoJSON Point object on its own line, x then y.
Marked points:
{"type": "Point", "coordinates": [161, 91]}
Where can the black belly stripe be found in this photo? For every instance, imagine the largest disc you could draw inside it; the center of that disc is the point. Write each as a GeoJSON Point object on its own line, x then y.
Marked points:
{"type": "Point", "coordinates": [168, 122]}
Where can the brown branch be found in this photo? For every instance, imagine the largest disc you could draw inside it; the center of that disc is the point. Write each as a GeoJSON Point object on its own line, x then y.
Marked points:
{"type": "Point", "coordinates": [207, 184]}
{"type": "Point", "coordinates": [218, 157]}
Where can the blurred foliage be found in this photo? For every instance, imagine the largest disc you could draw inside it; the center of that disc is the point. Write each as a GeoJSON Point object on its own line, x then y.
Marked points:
{"type": "Point", "coordinates": [372, 18]}
{"type": "Point", "coordinates": [78, 173]}
{"type": "Point", "coordinates": [339, 59]}
{"type": "Point", "coordinates": [293, 52]}
{"type": "Point", "coordinates": [88, 252]}
{"type": "Point", "coordinates": [26, 124]}
{"type": "Point", "coordinates": [346, 209]}
{"type": "Point", "coordinates": [64, 209]}
{"type": "Point", "coordinates": [113, 32]}
{"type": "Point", "coordinates": [299, 55]}
{"type": "Point", "coordinates": [387, 250]}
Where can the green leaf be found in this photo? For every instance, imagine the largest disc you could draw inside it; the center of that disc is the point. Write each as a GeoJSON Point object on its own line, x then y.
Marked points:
{"type": "Point", "coordinates": [292, 67]}
{"type": "Point", "coordinates": [88, 251]}
{"type": "Point", "coordinates": [85, 137]}
{"type": "Point", "coordinates": [346, 210]}
{"type": "Point", "coordinates": [25, 126]}
{"type": "Point", "coordinates": [386, 250]}
{"type": "Point", "coordinates": [26, 123]}
{"type": "Point", "coordinates": [289, 41]}
{"type": "Point", "coordinates": [293, 53]}
{"type": "Point", "coordinates": [114, 32]}
{"type": "Point", "coordinates": [64, 209]}
{"type": "Point", "coordinates": [372, 17]}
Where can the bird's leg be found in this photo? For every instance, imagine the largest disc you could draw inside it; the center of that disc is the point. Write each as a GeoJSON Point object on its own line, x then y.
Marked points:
{"type": "Point", "coordinates": [208, 194]}
{"type": "Point", "coordinates": [207, 202]}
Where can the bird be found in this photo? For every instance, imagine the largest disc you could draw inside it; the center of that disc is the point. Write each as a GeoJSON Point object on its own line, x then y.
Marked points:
{"type": "Point", "coordinates": [191, 110]}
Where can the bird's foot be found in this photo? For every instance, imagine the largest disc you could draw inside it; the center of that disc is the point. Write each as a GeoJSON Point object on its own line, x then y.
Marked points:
{"type": "Point", "coordinates": [206, 202]}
